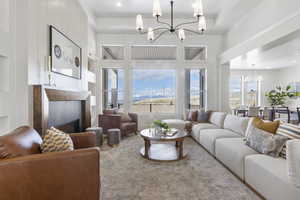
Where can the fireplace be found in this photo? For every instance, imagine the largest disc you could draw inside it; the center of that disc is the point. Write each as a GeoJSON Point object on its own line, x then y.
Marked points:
{"type": "Point", "coordinates": [66, 110]}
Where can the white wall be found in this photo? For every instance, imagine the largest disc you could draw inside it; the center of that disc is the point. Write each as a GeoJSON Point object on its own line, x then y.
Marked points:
{"type": "Point", "coordinates": [24, 38]}
{"type": "Point", "coordinates": [214, 46]}
{"type": "Point", "coordinates": [67, 16]}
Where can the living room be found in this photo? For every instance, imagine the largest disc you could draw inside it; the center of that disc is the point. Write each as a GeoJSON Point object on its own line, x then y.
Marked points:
{"type": "Point", "coordinates": [153, 99]}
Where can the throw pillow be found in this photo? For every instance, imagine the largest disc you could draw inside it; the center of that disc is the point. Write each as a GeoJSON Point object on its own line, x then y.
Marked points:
{"type": "Point", "coordinates": [293, 161]}
{"type": "Point", "coordinates": [265, 142]}
{"type": "Point", "coordinates": [289, 130]}
{"type": "Point", "coordinates": [192, 115]}
{"type": "Point", "coordinates": [270, 127]}
{"type": "Point", "coordinates": [203, 116]}
{"type": "Point", "coordinates": [124, 117]}
{"type": "Point", "coordinates": [56, 141]}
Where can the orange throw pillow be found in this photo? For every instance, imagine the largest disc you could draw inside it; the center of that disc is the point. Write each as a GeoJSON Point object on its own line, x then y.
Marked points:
{"type": "Point", "coordinates": [270, 127]}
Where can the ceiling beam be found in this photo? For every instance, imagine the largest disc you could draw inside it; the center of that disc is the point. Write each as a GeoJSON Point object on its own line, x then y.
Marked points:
{"type": "Point", "coordinates": [233, 11]}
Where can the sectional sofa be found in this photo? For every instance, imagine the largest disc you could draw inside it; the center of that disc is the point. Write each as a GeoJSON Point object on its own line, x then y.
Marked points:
{"type": "Point", "coordinates": [223, 137]}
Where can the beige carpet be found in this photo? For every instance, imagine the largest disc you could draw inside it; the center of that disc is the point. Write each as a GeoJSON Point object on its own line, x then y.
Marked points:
{"type": "Point", "coordinates": [128, 176]}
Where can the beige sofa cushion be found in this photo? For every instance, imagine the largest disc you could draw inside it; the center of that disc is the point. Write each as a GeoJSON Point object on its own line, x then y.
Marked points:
{"type": "Point", "coordinates": [269, 177]}
{"type": "Point", "coordinates": [236, 124]}
{"type": "Point", "coordinates": [201, 126]}
{"type": "Point", "coordinates": [209, 136]}
{"type": "Point", "coordinates": [293, 161]}
{"type": "Point", "coordinates": [232, 152]}
{"type": "Point", "coordinates": [217, 118]}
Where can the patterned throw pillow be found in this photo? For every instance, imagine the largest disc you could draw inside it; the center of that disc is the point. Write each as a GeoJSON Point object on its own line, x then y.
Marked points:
{"type": "Point", "coordinates": [289, 130]}
{"type": "Point", "coordinates": [265, 142]}
{"type": "Point", "coordinates": [56, 141]}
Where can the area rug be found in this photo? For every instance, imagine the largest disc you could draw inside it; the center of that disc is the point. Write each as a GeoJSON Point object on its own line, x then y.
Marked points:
{"type": "Point", "coordinates": [125, 175]}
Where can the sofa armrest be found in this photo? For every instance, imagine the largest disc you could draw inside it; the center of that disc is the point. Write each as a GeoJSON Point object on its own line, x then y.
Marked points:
{"type": "Point", "coordinates": [83, 140]}
{"type": "Point", "coordinates": [293, 161]}
{"type": "Point", "coordinates": [63, 175]}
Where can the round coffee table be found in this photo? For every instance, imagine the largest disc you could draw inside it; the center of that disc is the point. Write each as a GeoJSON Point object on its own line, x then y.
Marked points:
{"type": "Point", "coordinates": [166, 150]}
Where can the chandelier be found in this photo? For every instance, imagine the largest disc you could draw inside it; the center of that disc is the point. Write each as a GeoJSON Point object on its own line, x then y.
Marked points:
{"type": "Point", "coordinates": [179, 30]}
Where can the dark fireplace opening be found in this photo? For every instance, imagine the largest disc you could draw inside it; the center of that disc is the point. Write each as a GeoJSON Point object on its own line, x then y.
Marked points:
{"type": "Point", "coordinates": [66, 116]}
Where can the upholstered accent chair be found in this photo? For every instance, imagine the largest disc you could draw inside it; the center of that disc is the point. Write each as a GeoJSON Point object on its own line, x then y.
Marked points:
{"type": "Point", "coordinates": [28, 174]}
{"type": "Point", "coordinates": [111, 119]}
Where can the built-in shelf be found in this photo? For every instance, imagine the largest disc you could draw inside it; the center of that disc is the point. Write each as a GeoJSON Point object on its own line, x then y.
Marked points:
{"type": "Point", "coordinates": [91, 77]}
{"type": "Point", "coordinates": [4, 15]}
{"type": "Point", "coordinates": [4, 74]}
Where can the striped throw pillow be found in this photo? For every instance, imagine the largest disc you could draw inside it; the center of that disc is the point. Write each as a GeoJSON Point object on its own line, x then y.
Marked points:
{"type": "Point", "coordinates": [289, 130]}
{"type": "Point", "coordinates": [56, 141]}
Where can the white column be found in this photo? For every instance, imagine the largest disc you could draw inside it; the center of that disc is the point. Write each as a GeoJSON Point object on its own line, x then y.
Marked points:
{"type": "Point", "coordinates": [224, 78]}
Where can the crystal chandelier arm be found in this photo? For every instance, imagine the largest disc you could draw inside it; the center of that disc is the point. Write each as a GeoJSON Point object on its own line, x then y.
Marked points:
{"type": "Point", "coordinates": [186, 23]}
{"type": "Point", "coordinates": [157, 37]}
{"type": "Point", "coordinates": [191, 31]}
{"type": "Point", "coordinates": [161, 22]}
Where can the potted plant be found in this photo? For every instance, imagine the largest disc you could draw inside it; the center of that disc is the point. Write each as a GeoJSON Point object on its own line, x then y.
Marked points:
{"type": "Point", "coordinates": [279, 95]}
{"type": "Point", "coordinates": [164, 127]}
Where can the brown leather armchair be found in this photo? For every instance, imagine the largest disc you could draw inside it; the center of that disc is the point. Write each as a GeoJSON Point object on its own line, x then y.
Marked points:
{"type": "Point", "coordinates": [26, 174]}
{"type": "Point", "coordinates": [110, 119]}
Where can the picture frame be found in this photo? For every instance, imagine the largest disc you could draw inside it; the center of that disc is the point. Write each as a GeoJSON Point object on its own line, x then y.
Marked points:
{"type": "Point", "coordinates": [65, 55]}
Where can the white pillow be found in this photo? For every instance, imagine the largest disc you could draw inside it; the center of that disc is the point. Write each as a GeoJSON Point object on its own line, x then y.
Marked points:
{"type": "Point", "coordinates": [293, 161]}
{"type": "Point", "coordinates": [236, 124]}
{"type": "Point", "coordinates": [217, 118]}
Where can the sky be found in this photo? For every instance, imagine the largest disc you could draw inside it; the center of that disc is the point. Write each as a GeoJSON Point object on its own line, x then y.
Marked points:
{"type": "Point", "coordinates": [156, 82]}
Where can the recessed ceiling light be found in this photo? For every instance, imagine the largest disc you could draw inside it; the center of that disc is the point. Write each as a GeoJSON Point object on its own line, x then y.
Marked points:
{"type": "Point", "coordinates": [119, 4]}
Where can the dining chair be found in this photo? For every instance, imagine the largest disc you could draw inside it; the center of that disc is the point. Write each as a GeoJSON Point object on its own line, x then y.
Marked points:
{"type": "Point", "coordinates": [253, 111]}
{"type": "Point", "coordinates": [282, 114]}
{"type": "Point", "coordinates": [267, 114]}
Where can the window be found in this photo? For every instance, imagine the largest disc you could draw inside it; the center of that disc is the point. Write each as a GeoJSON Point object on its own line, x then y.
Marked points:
{"type": "Point", "coordinates": [195, 53]}
{"type": "Point", "coordinates": [153, 52]}
{"type": "Point", "coordinates": [195, 85]}
{"type": "Point", "coordinates": [244, 91]}
{"type": "Point", "coordinates": [251, 88]}
{"type": "Point", "coordinates": [154, 90]}
{"type": "Point", "coordinates": [235, 96]}
{"type": "Point", "coordinates": [112, 53]}
{"type": "Point", "coordinates": [113, 85]}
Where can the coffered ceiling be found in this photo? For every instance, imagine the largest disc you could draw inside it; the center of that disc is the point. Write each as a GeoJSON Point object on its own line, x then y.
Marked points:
{"type": "Point", "coordinates": [112, 15]}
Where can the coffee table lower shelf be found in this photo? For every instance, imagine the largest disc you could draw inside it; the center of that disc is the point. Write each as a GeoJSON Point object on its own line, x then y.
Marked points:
{"type": "Point", "coordinates": [163, 152]}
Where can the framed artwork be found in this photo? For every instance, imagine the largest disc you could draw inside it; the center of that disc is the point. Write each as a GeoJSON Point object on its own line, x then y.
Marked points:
{"type": "Point", "coordinates": [66, 55]}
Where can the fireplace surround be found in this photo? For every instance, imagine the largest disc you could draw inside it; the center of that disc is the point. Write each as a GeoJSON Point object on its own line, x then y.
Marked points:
{"type": "Point", "coordinates": [66, 110]}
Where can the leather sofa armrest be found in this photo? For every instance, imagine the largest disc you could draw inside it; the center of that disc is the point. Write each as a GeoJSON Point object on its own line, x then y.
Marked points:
{"type": "Point", "coordinates": [63, 175]}
{"type": "Point", "coordinates": [83, 140]}
{"type": "Point", "coordinates": [134, 117]}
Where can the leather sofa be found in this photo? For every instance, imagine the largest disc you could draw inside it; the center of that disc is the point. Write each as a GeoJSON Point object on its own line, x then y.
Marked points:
{"type": "Point", "coordinates": [223, 137]}
{"type": "Point", "coordinates": [27, 174]}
